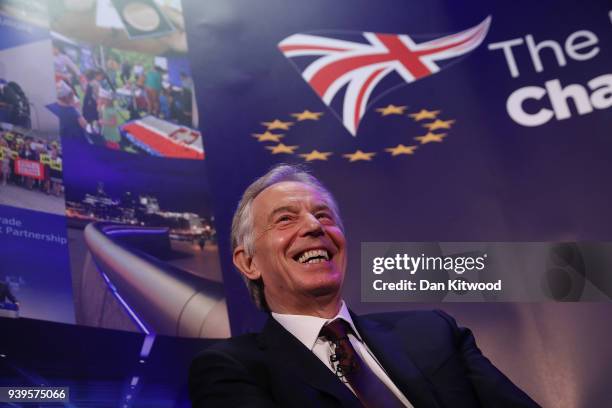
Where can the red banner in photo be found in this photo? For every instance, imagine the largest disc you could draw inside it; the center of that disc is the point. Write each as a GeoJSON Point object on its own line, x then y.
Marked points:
{"type": "Point", "coordinates": [29, 168]}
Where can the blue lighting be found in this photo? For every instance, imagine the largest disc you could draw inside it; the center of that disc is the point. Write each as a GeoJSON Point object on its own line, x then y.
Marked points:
{"type": "Point", "coordinates": [147, 344]}
{"type": "Point", "coordinates": [126, 230]}
{"type": "Point", "coordinates": [124, 304]}
{"type": "Point", "coordinates": [133, 232]}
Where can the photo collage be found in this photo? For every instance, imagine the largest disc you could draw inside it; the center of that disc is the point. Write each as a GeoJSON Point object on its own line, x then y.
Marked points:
{"type": "Point", "coordinates": [100, 147]}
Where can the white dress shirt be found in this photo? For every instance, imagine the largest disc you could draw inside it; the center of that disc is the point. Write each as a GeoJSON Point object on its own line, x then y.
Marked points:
{"type": "Point", "coordinates": [307, 328]}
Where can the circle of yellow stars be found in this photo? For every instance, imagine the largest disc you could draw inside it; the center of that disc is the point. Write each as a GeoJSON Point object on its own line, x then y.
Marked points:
{"type": "Point", "coordinates": [435, 131]}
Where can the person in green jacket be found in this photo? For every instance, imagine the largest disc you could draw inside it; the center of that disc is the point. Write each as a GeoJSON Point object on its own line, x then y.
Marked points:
{"type": "Point", "coordinates": [108, 119]}
{"type": "Point", "coordinates": [153, 87]}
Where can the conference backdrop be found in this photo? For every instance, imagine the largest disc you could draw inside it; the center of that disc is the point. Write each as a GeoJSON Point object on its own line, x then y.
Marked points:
{"type": "Point", "coordinates": [130, 130]}
{"type": "Point", "coordinates": [431, 122]}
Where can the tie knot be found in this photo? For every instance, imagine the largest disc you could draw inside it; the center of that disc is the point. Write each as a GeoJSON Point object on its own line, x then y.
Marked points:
{"type": "Point", "coordinates": [336, 330]}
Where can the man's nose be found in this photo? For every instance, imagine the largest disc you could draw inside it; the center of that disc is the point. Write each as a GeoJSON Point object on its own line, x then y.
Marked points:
{"type": "Point", "coordinates": [311, 226]}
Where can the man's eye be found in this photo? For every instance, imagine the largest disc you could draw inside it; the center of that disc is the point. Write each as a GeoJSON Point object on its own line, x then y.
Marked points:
{"type": "Point", "coordinates": [324, 215]}
{"type": "Point", "coordinates": [283, 218]}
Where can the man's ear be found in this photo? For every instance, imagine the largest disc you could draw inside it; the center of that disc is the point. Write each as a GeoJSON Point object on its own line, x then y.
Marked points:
{"type": "Point", "coordinates": [245, 263]}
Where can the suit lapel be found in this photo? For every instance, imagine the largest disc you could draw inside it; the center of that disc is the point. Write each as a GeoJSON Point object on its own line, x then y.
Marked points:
{"type": "Point", "coordinates": [287, 351]}
{"type": "Point", "coordinates": [395, 360]}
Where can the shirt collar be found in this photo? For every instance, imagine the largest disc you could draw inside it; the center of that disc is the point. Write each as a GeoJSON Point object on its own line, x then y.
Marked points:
{"type": "Point", "coordinates": [307, 328]}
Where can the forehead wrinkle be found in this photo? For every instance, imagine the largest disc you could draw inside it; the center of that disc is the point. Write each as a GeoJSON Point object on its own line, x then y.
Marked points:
{"type": "Point", "coordinates": [314, 198]}
{"type": "Point", "coordinates": [319, 205]}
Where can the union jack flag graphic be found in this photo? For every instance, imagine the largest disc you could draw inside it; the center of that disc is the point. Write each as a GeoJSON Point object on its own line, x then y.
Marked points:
{"type": "Point", "coordinates": [358, 67]}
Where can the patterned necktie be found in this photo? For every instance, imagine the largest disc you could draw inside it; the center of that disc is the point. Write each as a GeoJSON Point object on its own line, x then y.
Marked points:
{"type": "Point", "coordinates": [351, 368]}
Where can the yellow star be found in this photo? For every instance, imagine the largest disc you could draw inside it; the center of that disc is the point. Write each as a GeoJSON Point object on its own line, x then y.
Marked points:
{"type": "Point", "coordinates": [307, 115]}
{"type": "Point", "coordinates": [431, 137]}
{"type": "Point", "coordinates": [277, 124]}
{"type": "Point", "coordinates": [391, 110]}
{"type": "Point", "coordinates": [281, 148]}
{"type": "Point", "coordinates": [267, 137]}
{"type": "Point", "coordinates": [439, 124]}
{"type": "Point", "coordinates": [401, 149]}
{"type": "Point", "coordinates": [424, 114]}
{"type": "Point", "coordinates": [316, 155]}
{"type": "Point", "coordinates": [359, 155]}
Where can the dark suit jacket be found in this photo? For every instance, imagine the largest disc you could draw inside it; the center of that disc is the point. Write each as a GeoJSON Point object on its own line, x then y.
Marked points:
{"type": "Point", "coordinates": [431, 360]}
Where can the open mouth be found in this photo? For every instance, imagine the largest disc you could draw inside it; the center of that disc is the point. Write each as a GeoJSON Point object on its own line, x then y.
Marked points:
{"type": "Point", "coordinates": [312, 256]}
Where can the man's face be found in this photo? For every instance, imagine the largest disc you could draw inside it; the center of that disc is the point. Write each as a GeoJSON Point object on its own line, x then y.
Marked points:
{"type": "Point", "coordinates": [300, 251]}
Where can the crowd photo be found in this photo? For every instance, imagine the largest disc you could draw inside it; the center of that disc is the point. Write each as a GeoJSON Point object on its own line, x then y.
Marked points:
{"type": "Point", "coordinates": [126, 101]}
{"type": "Point", "coordinates": [29, 162]}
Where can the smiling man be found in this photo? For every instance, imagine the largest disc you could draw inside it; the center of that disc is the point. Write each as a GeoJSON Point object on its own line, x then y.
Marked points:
{"type": "Point", "coordinates": [289, 245]}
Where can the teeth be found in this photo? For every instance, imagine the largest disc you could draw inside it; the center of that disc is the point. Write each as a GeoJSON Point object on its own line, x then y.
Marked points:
{"type": "Point", "coordinates": [314, 256]}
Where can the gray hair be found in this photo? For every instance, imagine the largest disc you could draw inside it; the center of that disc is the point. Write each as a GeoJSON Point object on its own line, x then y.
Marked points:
{"type": "Point", "coordinates": [243, 222]}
